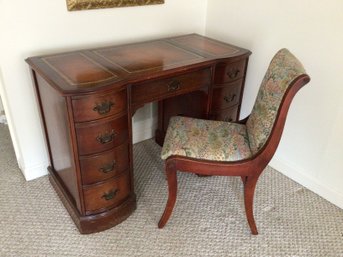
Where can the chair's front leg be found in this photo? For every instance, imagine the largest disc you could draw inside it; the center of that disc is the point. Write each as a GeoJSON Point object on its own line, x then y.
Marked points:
{"type": "Point", "coordinates": [172, 188]}
{"type": "Point", "coordinates": [249, 189]}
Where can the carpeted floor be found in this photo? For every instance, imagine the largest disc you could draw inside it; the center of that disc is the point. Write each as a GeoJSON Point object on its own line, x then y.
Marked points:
{"type": "Point", "coordinates": [208, 219]}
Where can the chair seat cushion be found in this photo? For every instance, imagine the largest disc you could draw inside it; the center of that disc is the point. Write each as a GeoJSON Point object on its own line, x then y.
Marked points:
{"type": "Point", "coordinates": [206, 139]}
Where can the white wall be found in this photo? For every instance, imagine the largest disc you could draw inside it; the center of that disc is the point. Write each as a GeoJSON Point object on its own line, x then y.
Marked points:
{"type": "Point", "coordinates": [39, 27]}
{"type": "Point", "coordinates": [311, 149]}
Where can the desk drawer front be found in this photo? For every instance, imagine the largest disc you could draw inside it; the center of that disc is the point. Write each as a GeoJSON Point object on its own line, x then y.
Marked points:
{"type": "Point", "coordinates": [106, 165]}
{"type": "Point", "coordinates": [94, 137]}
{"type": "Point", "coordinates": [99, 106]}
{"type": "Point", "coordinates": [229, 114]}
{"type": "Point", "coordinates": [147, 92]}
{"type": "Point", "coordinates": [227, 95]}
{"type": "Point", "coordinates": [108, 194]}
{"type": "Point", "coordinates": [228, 72]}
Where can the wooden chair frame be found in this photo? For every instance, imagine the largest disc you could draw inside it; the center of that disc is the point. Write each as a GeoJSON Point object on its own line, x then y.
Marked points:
{"type": "Point", "coordinates": [248, 169]}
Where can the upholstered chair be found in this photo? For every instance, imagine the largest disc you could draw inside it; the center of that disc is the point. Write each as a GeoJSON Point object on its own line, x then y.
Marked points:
{"type": "Point", "coordinates": [244, 148]}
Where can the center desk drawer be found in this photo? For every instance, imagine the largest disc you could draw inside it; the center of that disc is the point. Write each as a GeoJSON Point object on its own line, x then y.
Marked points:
{"type": "Point", "coordinates": [107, 194]}
{"type": "Point", "coordinates": [94, 137]}
{"type": "Point", "coordinates": [156, 90]}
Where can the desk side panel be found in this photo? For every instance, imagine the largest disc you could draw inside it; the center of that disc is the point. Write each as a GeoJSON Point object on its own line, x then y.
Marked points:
{"type": "Point", "coordinates": [55, 116]}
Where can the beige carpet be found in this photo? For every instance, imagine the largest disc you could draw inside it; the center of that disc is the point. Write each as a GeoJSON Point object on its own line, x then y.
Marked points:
{"type": "Point", "coordinates": [208, 220]}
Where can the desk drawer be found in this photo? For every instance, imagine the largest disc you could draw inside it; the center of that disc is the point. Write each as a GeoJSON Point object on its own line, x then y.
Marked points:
{"type": "Point", "coordinates": [103, 166]}
{"type": "Point", "coordinates": [156, 90]}
{"type": "Point", "coordinates": [227, 95]}
{"type": "Point", "coordinates": [94, 137]}
{"type": "Point", "coordinates": [99, 106]}
{"type": "Point", "coordinates": [228, 72]}
{"type": "Point", "coordinates": [107, 194]}
{"type": "Point", "coordinates": [229, 114]}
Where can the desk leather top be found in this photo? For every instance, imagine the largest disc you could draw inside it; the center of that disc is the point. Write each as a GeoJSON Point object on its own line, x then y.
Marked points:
{"type": "Point", "coordinates": [87, 70]}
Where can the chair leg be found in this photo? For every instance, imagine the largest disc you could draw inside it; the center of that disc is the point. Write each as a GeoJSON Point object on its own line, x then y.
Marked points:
{"type": "Point", "coordinates": [249, 189]}
{"type": "Point", "coordinates": [172, 188]}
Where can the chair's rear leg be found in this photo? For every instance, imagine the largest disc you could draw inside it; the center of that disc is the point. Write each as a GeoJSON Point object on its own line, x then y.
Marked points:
{"type": "Point", "coordinates": [172, 188]}
{"type": "Point", "coordinates": [249, 189]}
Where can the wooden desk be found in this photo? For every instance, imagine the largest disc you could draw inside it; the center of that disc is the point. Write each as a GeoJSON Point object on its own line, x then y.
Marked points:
{"type": "Point", "coordinates": [87, 99]}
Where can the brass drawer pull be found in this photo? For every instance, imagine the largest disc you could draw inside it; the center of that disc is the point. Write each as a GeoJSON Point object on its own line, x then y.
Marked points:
{"type": "Point", "coordinates": [110, 195]}
{"type": "Point", "coordinates": [106, 138]}
{"type": "Point", "coordinates": [229, 98]}
{"type": "Point", "coordinates": [233, 73]}
{"type": "Point", "coordinates": [108, 167]}
{"type": "Point", "coordinates": [104, 107]}
{"type": "Point", "coordinates": [174, 85]}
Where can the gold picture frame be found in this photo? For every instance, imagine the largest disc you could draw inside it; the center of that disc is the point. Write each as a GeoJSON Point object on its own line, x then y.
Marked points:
{"type": "Point", "coordinates": [74, 5]}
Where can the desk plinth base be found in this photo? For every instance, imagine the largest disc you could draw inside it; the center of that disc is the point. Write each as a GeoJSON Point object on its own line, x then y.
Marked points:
{"type": "Point", "coordinates": [93, 223]}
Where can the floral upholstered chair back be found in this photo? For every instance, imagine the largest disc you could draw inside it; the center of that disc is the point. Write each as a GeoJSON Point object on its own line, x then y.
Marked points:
{"type": "Point", "coordinates": [283, 69]}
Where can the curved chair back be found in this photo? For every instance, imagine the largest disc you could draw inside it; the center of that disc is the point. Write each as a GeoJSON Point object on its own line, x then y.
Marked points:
{"type": "Point", "coordinates": [284, 69]}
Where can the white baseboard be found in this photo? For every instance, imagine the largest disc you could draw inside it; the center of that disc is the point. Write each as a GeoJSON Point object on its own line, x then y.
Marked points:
{"type": "Point", "coordinates": [35, 171]}
{"type": "Point", "coordinates": [143, 130]}
{"type": "Point", "coordinates": [307, 181]}
{"type": "Point", "coordinates": [3, 119]}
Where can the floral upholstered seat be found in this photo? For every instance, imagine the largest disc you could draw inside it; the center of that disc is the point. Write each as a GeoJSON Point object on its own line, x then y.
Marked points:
{"type": "Point", "coordinates": [204, 139]}
{"type": "Point", "coordinates": [242, 149]}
